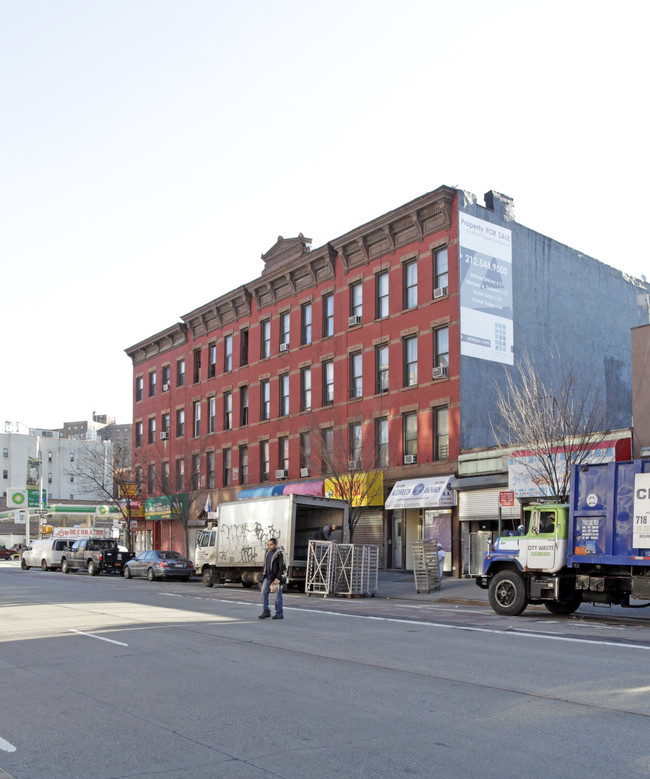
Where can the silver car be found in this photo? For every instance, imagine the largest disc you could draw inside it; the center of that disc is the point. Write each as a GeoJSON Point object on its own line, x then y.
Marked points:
{"type": "Point", "coordinates": [160, 564]}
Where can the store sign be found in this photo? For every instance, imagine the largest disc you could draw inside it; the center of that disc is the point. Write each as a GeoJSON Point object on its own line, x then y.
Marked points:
{"type": "Point", "coordinates": [360, 489]}
{"type": "Point", "coordinates": [433, 492]}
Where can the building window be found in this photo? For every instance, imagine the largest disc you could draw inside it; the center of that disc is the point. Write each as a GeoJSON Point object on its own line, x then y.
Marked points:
{"type": "Point", "coordinates": [212, 414]}
{"type": "Point", "coordinates": [139, 388]}
{"type": "Point", "coordinates": [356, 299]}
{"type": "Point", "coordinates": [440, 272]}
{"type": "Point", "coordinates": [356, 375]}
{"type": "Point", "coordinates": [243, 406]}
{"type": "Point", "coordinates": [305, 389]}
{"type": "Point", "coordinates": [166, 380]}
{"type": "Point", "coordinates": [441, 348]}
{"type": "Point", "coordinates": [49, 478]}
{"type": "Point", "coordinates": [196, 375]}
{"type": "Point", "coordinates": [410, 270]}
{"type": "Point", "coordinates": [180, 422]}
{"type": "Point", "coordinates": [164, 478]}
{"type": "Point", "coordinates": [243, 465]}
{"type": "Point", "coordinates": [265, 399]}
{"type": "Point", "coordinates": [381, 443]}
{"type": "Point", "coordinates": [381, 369]}
{"type": "Point", "coordinates": [328, 315]}
{"type": "Point", "coordinates": [227, 354]}
{"type": "Point", "coordinates": [196, 471]}
{"type": "Point", "coordinates": [381, 286]}
{"type": "Point", "coordinates": [152, 383]}
{"type": "Point", "coordinates": [410, 434]}
{"type": "Point", "coordinates": [5, 475]}
{"type": "Point", "coordinates": [196, 418]}
{"type": "Point", "coordinates": [209, 460]}
{"type": "Point", "coordinates": [138, 433]}
{"type": "Point", "coordinates": [138, 479]}
{"type": "Point", "coordinates": [227, 467]}
{"type": "Point", "coordinates": [5, 453]}
{"type": "Point", "coordinates": [151, 434]}
{"type": "Point", "coordinates": [180, 373]}
{"type": "Point", "coordinates": [264, 461]}
{"type": "Point", "coordinates": [284, 395]}
{"type": "Point", "coordinates": [212, 361]}
{"type": "Point", "coordinates": [227, 410]}
{"type": "Point", "coordinates": [305, 451]}
{"type": "Point", "coordinates": [151, 479]}
{"type": "Point", "coordinates": [327, 450]}
{"type": "Point", "coordinates": [243, 346]}
{"type": "Point", "coordinates": [410, 361]}
{"type": "Point", "coordinates": [441, 448]}
{"type": "Point", "coordinates": [180, 475]}
{"type": "Point", "coordinates": [305, 323]}
{"type": "Point", "coordinates": [283, 454]}
{"type": "Point", "coordinates": [71, 457]}
{"type": "Point", "coordinates": [265, 345]}
{"type": "Point", "coordinates": [165, 424]}
{"type": "Point", "coordinates": [355, 443]}
{"type": "Point", "coordinates": [328, 382]}
{"type": "Point", "coordinates": [285, 324]}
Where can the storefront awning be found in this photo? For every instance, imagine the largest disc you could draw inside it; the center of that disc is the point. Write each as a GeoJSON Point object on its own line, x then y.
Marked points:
{"type": "Point", "coordinates": [433, 492]}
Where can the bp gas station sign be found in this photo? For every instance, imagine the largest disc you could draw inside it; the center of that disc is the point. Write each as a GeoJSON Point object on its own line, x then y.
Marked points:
{"type": "Point", "coordinates": [22, 499]}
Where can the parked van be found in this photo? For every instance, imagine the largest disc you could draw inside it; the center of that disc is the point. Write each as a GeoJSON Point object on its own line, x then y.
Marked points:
{"type": "Point", "coordinates": [45, 553]}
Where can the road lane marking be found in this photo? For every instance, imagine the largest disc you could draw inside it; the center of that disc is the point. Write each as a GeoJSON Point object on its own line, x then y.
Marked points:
{"type": "Point", "coordinates": [6, 746]}
{"type": "Point", "coordinates": [99, 638]}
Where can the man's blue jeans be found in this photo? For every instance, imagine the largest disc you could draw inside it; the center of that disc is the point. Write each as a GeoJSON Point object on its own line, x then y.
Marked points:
{"type": "Point", "coordinates": [266, 589]}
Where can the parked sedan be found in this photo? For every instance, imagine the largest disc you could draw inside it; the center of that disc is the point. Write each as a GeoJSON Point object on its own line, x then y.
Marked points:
{"type": "Point", "coordinates": [6, 554]}
{"type": "Point", "coordinates": [160, 564]}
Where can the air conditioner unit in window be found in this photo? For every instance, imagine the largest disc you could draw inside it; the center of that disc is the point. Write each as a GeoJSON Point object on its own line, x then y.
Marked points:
{"type": "Point", "coordinates": [284, 347]}
{"type": "Point", "coordinates": [166, 387]}
{"type": "Point", "coordinates": [281, 474]}
{"type": "Point", "coordinates": [164, 436]}
{"type": "Point", "coordinates": [354, 465]}
{"type": "Point", "coordinates": [440, 372]}
{"type": "Point", "coordinates": [304, 472]}
{"type": "Point", "coordinates": [410, 459]}
{"type": "Point", "coordinates": [354, 320]}
{"type": "Point", "coordinates": [439, 292]}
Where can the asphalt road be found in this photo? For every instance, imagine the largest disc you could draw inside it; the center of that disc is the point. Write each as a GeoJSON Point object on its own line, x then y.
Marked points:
{"type": "Point", "coordinates": [114, 678]}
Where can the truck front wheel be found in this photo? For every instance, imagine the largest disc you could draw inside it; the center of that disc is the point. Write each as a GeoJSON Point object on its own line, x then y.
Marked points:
{"type": "Point", "coordinates": [208, 578]}
{"type": "Point", "coordinates": [507, 594]}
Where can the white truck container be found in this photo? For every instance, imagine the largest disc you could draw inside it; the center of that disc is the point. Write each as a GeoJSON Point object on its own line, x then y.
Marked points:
{"type": "Point", "coordinates": [233, 548]}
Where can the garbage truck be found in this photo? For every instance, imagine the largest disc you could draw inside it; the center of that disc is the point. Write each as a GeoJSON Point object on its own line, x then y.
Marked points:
{"type": "Point", "coordinates": [594, 550]}
{"type": "Point", "coordinates": [233, 547]}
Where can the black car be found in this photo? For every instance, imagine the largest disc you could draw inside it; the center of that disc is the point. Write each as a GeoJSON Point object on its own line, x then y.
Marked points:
{"type": "Point", "coordinates": [160, 564]}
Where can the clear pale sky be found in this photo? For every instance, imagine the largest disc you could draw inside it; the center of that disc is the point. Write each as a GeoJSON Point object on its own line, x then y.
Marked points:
{"type": "Point", "coordinates": [152, 150]}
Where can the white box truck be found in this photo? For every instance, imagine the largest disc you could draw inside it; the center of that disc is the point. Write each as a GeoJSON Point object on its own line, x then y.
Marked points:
{"type": "Point", "coordinates": [233, 547]}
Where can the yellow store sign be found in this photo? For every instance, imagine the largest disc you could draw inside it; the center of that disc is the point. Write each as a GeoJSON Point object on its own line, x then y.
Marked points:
{"type": "Point", "coordinates": [359, 489]}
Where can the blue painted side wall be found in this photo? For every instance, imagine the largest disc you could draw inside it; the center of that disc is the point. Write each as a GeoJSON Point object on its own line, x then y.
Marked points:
{"type": "Point", "coordinates": [565, 302]}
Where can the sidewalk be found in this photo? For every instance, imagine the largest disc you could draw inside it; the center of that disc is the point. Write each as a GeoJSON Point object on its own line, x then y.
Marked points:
{"type": "Point", "coordinates": [399, 585]}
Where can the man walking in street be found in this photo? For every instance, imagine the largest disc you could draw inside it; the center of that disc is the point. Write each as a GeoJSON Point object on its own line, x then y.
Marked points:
{"type": "Point", "coordinates": [273, 575]}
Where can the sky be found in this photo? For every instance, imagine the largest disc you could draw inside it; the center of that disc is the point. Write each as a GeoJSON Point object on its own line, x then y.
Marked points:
{"type": "Point", "coordinates": [153, 150]}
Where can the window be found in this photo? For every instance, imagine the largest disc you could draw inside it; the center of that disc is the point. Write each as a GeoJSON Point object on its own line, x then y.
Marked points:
{"type": "Point", "coordinates": [410, 361]}
{"type": "Point", "coordinates": [283, 453]}
{"type": "Point", "coordinates": [410, 270]}
{"type": "Point", "coordinates": [243, 465]}
{"type": "Point", "coordinates": [305, 389]}
{"type": "Point", "coordinates": [328, 315]}
{"type": "Point", "coordinates": [138, 433]}
{"type": "Point", "coordinates": [196, 418]}
{"type": "Point", "coordinates": [227, 354]}
{"type": "Point", "coordinates": [180, 422]}
{"type": "Point", "coordinates": [327, 450]}
{"type": "Point", "coordinates": [138, 479]}
{"type": "Point", "coordinates": [264, 460]}
{"type": "Point", "coordinates": [440, 270]}
{"type": "Point", "coordinates": [165, 424]}
{"type": "Point", "coordinates": [441, 446]}
{"type": "Point", "coordinates": [227, 410]}
{"type": "Point", "coordinates": [265, 345]}
{"type": "Point", "coordinates": [166, 372]}
{"type": "Point", "coordinates": [285, 322]}
{"type": "Point", "coordinates": [139, 388]}
{"type": "Point", "coordinates": [328, 382]}
{"type": "Point", "coordinates": [71, 457]}
{"type": "Point", "coordinates": [356, 376]}
{"type": "Point", "coordinates": [212, 414]}
{"type": "Point", "coordinates": [265, 399]}
{"type": "Point", "coordinates": [243, 346]}
{"type": "Point", "coordinates": [381, 286]}
{"type": "Point", "coordinates": [381, 443]}
{"type": "Point", "coordinates": [212, 361]}
{"type": "Point", "coordinates": [410, 434]}
{"type": "Point", "coordinates": [356, 299]}
{"type": "Point", "coordinates": [209, 461]}
{"type": "Point", "coordinates": [196, 375]}
{"type": "Point", "coordinates": [355, 443]}
{"type": "Point", "coordinates": [5, 453]}
{"type": "Point", "coordinates": [164, 478]}
{"type": "Point", "coordinates": [243, 406]}
{"type": "Point", "coordinates": [180, 373]}
{"type": "Point", "coordinates": [180, 475]}
{"type": "Point", "coordinates": [305, 323]}
{"type": "Point", "coordinates": [5, 475]}
{"type": "Point", "coordinates": [227, 467]}
{"type": "Point", "coordinates": [151, 430]}
{"type": "Point", "coordinates": [151, 479]}
{"type": "Point", "coordinates": [441, 348]}
{"type": "Point", "coordinates": [284, 395]}
{"type": "Point", "coordinates": [49, 456]}
{"type": "Point", "coordinates": [152, 383]}
{"type": "Point", "coordinates": [49, 478]}
{"type": "Point", "coordinates": [305, 450]}
{"type": "Point", "coordinates": [381, 370]}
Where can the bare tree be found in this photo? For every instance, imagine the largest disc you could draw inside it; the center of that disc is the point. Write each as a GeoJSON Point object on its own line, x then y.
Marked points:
{"type": "Point", "coordinates": [559, 420]}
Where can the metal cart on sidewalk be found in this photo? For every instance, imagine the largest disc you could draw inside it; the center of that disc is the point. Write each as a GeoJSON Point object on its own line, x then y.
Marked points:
{"type": "Point", "coordinates": [426, 567]}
